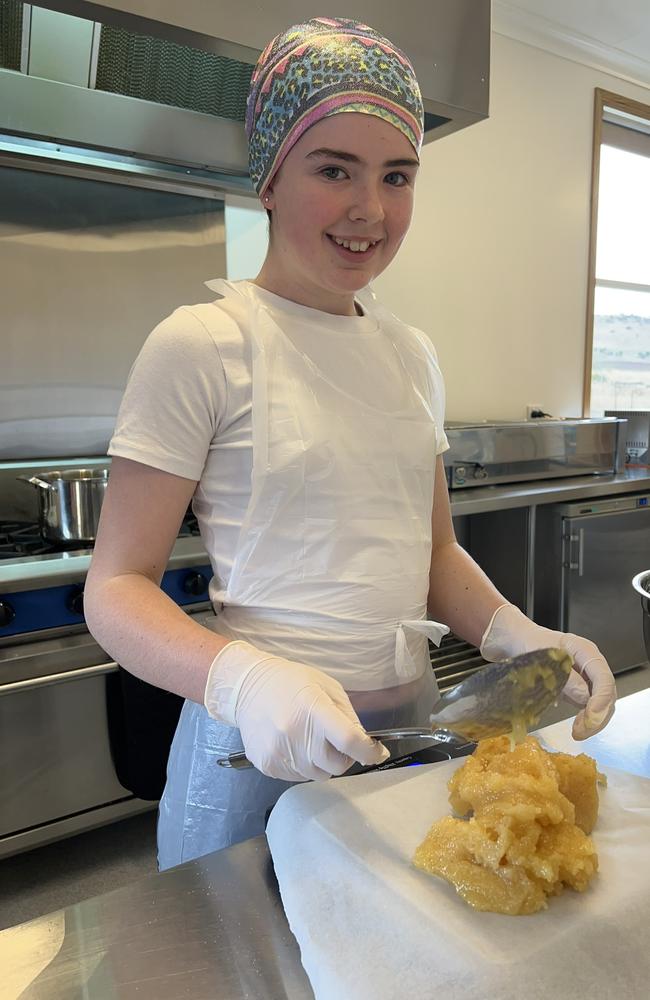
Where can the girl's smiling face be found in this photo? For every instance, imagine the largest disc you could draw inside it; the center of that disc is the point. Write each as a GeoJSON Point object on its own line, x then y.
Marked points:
{"type": "Point", "coordinates": [348, 180]}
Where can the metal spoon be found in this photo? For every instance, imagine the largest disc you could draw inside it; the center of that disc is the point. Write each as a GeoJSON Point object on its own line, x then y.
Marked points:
{"type": "Point", "coordinates": [498, 698]}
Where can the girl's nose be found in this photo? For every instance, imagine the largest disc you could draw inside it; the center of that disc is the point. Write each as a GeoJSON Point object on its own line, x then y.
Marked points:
{"type": "Point", "coordinates": [367, 206]}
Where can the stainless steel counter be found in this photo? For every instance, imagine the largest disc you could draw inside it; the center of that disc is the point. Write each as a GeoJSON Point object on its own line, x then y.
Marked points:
{"type": "Point", "coordinates": [214, 929]}
{"type": "Point", "coordinates": [481, 499]}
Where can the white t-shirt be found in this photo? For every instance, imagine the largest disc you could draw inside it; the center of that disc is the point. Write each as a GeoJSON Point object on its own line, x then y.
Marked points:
{"type": "Point", "coordinates": [187, 406]}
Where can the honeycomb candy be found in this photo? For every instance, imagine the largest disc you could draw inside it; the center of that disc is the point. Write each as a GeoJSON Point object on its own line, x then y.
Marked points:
{"type": "Point", "coordinates": [523, 837]}
{"type": "Point", "coordinates": [578, 781]}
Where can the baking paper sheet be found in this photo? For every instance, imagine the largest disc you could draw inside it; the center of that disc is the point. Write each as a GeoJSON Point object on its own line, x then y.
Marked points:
{"type": "Point", "coordinates": [370, 925]}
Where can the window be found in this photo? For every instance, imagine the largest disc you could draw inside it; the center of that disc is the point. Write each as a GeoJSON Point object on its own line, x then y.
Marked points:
{"type": "Point", "coordinates": [617, 375]}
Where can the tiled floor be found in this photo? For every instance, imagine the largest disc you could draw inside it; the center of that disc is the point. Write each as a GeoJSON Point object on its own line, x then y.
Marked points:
{"type": "Point", "coordinates": [64, 873]}
{"type": "Point", "coordinates": [68, 871]}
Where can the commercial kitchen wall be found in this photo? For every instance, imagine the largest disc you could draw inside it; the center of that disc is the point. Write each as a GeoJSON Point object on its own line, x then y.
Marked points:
{"type": "Point", "coordinates": [494, 268]}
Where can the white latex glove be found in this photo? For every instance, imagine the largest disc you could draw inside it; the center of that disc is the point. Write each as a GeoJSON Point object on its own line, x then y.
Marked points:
{"type": "Point", "coordinates": [591, 686]}
{"type": "Point", "coordinates": [296, 722]}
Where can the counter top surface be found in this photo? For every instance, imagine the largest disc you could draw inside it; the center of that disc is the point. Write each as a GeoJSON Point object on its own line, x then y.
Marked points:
{"type": "Point", "coordinates": [481, 499]}
{"type": "Point", "coordinates": [214, 929]}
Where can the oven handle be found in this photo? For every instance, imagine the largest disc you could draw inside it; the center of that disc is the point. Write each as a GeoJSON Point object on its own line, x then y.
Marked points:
{"type": "Point", "coordinates": [69, 675]}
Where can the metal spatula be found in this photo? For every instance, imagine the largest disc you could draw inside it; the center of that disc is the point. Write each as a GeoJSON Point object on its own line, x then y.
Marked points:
{"type": "Point", "coordinates": [498, 698]}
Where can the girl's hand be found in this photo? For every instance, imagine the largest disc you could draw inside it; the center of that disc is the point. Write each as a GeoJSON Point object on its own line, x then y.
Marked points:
{"type": "Point", "coordinates": [591, 684]}
{"type": "Point", "coordinates": [296, 722]}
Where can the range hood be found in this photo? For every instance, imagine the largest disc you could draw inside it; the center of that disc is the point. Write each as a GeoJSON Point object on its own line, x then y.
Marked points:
{"type": "Point", "coordinates": [165, 82]}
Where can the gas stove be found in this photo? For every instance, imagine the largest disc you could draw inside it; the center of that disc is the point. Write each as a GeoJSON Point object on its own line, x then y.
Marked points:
{"type": "Point", "coordinates": [70, 717]}
{"type": "Point", "coordinates": [41, 584]}
{"type": "Point", "coordinates": [23, 538]}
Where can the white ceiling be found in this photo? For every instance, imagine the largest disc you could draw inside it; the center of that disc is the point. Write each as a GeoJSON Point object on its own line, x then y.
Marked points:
{"type": "Point", "coordinates": [613, 35]}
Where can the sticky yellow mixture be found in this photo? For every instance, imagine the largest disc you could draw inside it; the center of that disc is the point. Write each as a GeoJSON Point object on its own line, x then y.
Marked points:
{"type": "Point", "coordinates": [521, 711]}
{"type": "Point", "coordinates": [526, 838]}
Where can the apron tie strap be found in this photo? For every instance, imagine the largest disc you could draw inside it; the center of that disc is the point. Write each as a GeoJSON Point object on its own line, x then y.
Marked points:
{"type": "Point", "coordinates": [405, 666]}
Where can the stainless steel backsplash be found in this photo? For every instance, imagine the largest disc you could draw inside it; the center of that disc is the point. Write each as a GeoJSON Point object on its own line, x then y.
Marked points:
{"type": "Point", "coordinates": [87, 270]}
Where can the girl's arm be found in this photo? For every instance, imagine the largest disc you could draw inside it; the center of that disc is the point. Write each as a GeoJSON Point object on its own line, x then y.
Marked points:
{"type": "Point", "coordinates": [461, 596]}
{"type": "Point", "coordinates": [127, 613]}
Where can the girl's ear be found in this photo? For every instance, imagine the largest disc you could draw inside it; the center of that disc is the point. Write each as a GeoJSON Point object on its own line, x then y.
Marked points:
{"type": "Point", "coordinates": [268, 199]}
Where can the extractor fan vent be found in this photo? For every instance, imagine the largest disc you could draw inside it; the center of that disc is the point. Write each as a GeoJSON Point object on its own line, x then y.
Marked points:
{"type": "Point", "coordinates": [166, 72]}
{"type": "Point", "coordinates": [11, 33]}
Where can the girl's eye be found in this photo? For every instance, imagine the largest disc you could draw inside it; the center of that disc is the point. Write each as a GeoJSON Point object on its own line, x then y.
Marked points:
{"type": "Point", "coordinates": [333, 173]}
{"type": "Point", "coordinates": [396, 179]}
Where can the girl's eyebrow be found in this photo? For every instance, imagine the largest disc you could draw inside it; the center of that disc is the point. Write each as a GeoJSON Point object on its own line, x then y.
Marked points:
{"type": "Point", "coordinates": [339, 154]}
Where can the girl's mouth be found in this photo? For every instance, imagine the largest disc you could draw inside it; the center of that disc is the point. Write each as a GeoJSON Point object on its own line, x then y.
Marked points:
{"type": "Point", "coordinates": [354, 250]}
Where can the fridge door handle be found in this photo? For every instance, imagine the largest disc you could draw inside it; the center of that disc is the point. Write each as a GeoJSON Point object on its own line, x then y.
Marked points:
{"type": "Point", "coordinates": [581, 550]}
{"type": "Point", "coordinates": [580, 539]}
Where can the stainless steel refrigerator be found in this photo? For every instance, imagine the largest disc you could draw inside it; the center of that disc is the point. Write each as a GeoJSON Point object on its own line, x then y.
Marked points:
{"type": "Point", "coordinates": [597, 548]}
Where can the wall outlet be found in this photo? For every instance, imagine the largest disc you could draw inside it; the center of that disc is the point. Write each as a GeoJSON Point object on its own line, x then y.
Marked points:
{"type": "Point", "coordinates": [533, 407]}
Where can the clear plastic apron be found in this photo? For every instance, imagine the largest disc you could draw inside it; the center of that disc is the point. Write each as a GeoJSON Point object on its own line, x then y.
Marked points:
{"type": "Point", "coordinates": [333, 558]}
{"type": "Point", "coordinates": [331, 567]}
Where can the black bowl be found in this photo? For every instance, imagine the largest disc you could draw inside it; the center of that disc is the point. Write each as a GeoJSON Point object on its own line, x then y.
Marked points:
{"type": "Point", "coordinates": [641, 584]}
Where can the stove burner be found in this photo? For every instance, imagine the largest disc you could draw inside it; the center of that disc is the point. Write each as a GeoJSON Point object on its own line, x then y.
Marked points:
{"type": "Point", "coordinates": [23, 538]}
{"type": "Point", "coordinates": [190, 526]}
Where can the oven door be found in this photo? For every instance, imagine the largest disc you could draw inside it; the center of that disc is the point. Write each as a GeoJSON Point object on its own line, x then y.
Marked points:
{"type": "Point", "coordinates": [57, 774]}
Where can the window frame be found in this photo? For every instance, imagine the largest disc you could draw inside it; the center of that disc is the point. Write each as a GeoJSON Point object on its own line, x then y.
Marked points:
{"type": "Point", "coordinates": [617, 102]}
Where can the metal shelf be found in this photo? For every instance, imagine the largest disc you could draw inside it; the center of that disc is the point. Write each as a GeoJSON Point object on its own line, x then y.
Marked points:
{"type": "Point", "coordinates": [453, 661]}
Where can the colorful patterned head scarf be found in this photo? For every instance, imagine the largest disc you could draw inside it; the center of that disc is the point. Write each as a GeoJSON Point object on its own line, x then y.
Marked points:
{"type": "Point", "coordinates": [320, 68]}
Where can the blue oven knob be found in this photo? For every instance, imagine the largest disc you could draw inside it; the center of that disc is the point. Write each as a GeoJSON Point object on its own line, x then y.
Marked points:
{"type": "Point", "coordinates": [7, 614]}
{"type": "Point", "coordinates": [75, 601]}
{"type": "Point", "coordinates": [195, 584]}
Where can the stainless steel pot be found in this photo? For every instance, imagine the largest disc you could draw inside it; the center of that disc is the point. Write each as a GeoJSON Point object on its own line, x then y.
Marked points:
{"type": "Point", "coordinates": [641, 584]}
{"type": "Point", "coordinates": [69, 503]}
